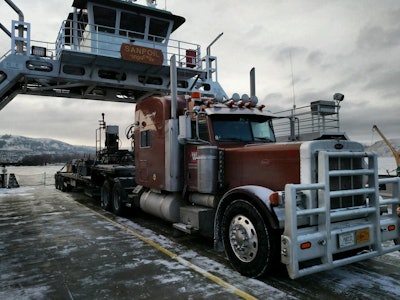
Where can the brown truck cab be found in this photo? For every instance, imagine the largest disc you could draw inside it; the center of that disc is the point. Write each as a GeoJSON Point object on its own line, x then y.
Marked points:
{"type": "Point", "coordinates": [215, 168]}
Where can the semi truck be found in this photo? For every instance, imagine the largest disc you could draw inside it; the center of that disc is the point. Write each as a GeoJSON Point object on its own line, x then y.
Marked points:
{"type": "Point", "coordinates": [209, 163]}
{"type": "Point", "coordinates": [214, 168]}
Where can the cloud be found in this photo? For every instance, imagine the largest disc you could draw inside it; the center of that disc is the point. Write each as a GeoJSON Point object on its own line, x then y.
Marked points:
{"type": "Point", "coordinates": [386, 83]}
{"type": "Point", "coordinates": [378, 38]}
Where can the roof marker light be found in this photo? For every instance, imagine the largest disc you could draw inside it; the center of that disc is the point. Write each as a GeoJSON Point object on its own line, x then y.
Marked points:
{"type": "Point", "coordinates": [196, 96]}
{"type": "Point", "coordinates": [230, 103]}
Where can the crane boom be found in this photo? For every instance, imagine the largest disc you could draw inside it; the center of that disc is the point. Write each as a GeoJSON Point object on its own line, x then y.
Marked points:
{"type": "Point", "coordinates": [396, 153]}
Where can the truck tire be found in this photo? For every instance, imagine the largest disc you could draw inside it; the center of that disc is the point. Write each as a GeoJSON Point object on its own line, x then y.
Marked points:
{"type": "Point", "coordinates": [105, 197]}
{"type": "Point", "coordinates": [118, 194]}
{"type": "Point", "coordinates": [57, 182]}
{"type": "Point", "coordinates": [64, 185]}
{"type": "Point", "coordinates": [247, 239]}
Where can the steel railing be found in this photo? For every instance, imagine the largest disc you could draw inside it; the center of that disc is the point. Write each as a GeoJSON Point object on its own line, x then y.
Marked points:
{"type": "Point", "coordinates": [92, 40]}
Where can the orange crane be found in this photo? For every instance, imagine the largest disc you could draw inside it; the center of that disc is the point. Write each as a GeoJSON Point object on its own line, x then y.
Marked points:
{"type": "Point", "coordinates": [396, 153]}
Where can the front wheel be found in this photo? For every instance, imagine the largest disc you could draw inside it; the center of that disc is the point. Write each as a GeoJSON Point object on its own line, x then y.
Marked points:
{"type": "Point", "coordinates": [248, 240]}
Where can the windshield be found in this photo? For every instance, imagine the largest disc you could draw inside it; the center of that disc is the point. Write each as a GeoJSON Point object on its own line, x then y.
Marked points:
{"type": "Point", "coordinates": [243, 128]}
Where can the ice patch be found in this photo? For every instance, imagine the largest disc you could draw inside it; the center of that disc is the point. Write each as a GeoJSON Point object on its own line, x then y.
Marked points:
{"type": "Point", "coordinates": [22, 191]}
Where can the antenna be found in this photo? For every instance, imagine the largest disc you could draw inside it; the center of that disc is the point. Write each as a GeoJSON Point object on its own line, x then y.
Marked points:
{"type": "Point", "coordinates": [292, 118]}
{"type": "Point", "coordinates": [291, 67]}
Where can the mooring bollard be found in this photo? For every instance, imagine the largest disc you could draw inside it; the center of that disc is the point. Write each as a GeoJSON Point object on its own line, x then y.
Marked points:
{"type": "Point", "coordinates": [12, 181]}
{"type": "Point", "coordinates": [3, 176]}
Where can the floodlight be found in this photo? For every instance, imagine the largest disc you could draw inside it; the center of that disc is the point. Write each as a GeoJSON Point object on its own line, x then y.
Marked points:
{"type": "Point", "coordinates": [338, 97]}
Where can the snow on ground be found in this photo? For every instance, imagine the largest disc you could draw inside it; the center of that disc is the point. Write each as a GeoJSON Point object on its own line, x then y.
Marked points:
{"type": "Point", "coordinates": [20, 191]}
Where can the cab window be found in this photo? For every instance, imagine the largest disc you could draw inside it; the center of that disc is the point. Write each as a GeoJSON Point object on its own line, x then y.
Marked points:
{"type": "Point", "coordinates": [252, 129]}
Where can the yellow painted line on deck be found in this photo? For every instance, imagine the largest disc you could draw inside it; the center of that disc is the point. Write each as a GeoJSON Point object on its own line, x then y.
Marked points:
{"type": "Point", "coordinates": [176, 257]}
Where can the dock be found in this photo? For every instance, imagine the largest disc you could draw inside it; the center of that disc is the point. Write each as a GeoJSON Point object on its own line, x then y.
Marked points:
{"type": "Point", "coordinates": [53, 247]}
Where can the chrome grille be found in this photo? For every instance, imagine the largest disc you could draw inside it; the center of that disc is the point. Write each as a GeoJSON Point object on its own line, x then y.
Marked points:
{"type": "Point", "coordinates": [347, 180]}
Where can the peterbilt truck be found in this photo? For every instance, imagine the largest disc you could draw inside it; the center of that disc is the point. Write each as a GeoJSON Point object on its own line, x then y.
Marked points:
{"type": "Point", "coordinates": [208, 163]}
{"type": "Point", "coordinates": [214, 167]}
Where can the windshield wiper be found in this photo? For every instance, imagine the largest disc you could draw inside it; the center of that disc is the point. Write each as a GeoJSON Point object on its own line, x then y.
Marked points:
{"type": "Point", "coordinates": [264, 139]}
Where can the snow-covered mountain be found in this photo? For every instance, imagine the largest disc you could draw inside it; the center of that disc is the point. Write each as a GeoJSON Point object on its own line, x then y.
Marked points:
{"type": "Point", "coordinates": [382, 149]}
{"type": "Point", "coordinates": [14, 148]}
{"type": "Point", "coordinates": [22, 143]}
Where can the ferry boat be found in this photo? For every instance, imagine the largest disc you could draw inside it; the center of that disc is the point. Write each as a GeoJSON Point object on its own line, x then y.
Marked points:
{"type": "Point", "coordinates": [112, 50]}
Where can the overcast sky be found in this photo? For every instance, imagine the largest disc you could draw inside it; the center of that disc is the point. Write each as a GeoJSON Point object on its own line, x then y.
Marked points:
{"type": "Point", "coordinates": [346, 46]}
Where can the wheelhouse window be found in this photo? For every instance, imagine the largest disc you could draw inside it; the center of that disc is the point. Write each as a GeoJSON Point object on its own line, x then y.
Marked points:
{"type": "Point", "coordinates": [132, 25]}
{"type": "Point", "coordinates": [105, 18]}
{"type": "Point", "coordinates": [249, 129]}
{"type": "Point", "coordinates": [158, 30]}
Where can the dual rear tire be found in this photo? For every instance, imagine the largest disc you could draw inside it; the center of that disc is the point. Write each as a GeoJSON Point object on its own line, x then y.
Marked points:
{"type": "Point", "coordinates": [112, 196]}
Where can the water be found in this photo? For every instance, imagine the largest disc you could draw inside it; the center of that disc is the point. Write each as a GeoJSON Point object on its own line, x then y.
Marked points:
{"type": "Point", "coordinates": [34, 175]}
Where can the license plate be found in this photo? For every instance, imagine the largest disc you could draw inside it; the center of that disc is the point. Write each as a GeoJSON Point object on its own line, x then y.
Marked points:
{"type": "Point", "coordinates": [346, 239]}
{"type": "Point", "coordinates": [352, 238]}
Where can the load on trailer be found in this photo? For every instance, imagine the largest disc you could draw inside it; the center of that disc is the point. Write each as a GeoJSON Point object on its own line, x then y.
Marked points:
{"type": "Point", "coordinates": [208, 163]}
{"type": "Point", "coordinates": [110, 175]}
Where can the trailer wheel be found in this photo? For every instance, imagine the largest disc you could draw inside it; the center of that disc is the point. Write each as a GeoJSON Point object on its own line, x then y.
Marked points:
{"type": "Point", "coordinates": [118, 194]}
{"type": "Point", "coordinates": [105, 198]}
{"type": "Point", "coordinates": [57, 182]}
{"type": "Point", "coordinates": [247, 239]}
{"type": "Point", "coordinates": [64, 185]}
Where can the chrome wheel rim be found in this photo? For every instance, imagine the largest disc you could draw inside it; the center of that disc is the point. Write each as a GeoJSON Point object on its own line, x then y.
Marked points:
{"type": "Point", "coordinates": [243, 238]}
